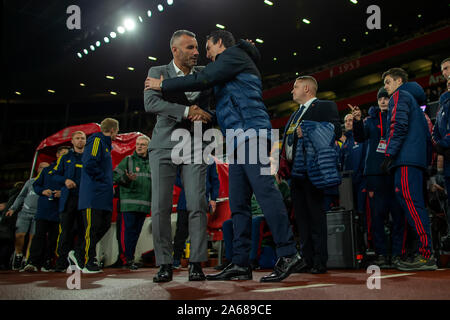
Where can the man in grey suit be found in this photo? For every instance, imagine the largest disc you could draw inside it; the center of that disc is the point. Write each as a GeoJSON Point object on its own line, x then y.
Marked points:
{"type": "Point", "coordinates": [177, 111]}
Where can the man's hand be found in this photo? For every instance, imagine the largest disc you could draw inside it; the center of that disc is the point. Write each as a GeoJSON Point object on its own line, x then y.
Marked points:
{"type": "Point", "coordinates": [250, 41]}
{"type": "Point", "coordinates": [9, 213]}
{"type": "Point", "coordinates": [299, 132]}
{"type": "Point", "coordinates": [197, 114]}
{"type": "Point", "coordinates": [356, 112]}
{"type": "Point", "coordinates": [153, 83]}
{"type": "Point", "coordinates": [278, 178]}
{"type": "Point", "coordinates": [386, 164]}
{"type": "Point", "coordinates": [47, 193]}
{"type": "Point", "coordinates": [57, 193]}
{"type": "Point", "coordinates": [131, 176]}
{"type": "Point", "coordinates": [70, 184]}
{"type": "Point", "coordinates": [213, 206]}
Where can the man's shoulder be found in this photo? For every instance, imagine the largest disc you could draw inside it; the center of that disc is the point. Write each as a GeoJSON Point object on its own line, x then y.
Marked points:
{"type": "Point", "coordinates": [325, 103]}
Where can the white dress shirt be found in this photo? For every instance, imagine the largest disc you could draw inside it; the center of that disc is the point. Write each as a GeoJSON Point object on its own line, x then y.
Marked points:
{"type": "Point", "coordinates": [191, 96]}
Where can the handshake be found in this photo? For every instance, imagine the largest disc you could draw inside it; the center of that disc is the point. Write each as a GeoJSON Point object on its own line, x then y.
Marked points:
{"type": "Point", "coordinates": [198, 114]}
{"type": "Point", "coordinates": [195, 112]}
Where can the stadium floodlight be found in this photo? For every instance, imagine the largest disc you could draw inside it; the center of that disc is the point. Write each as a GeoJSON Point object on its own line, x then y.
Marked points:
{"type": "Point", "coordinates": [269, 3]}
{"type": "Point", "coordinates": [129, 24]}
{"type": "Point", "coordinates": [18, 93]}
{"type": "Point", "coordinates": [170, 2]}
{"type": "Point", "coordinates": [306, 21]}
{"type": "Point", "coordinates": [51, 91]}
{"type": "Point", "coordinates": [82, 84]}
{"type": "Point", "coordinates": [98, 43]}
{"type": "Point", "coordinates": [131, 68]}
{"type": "Point", "coordinates": [140, 19]}
{"type": "Point", "coordinates": [120, 29]}
{"type": "Point", "coordinates": [152, 58]}
{"type": "Point", "coordinates": [354, 1]}
{"type": "Point", "coordinates": [92, 47]}
{"type": "Point", "coordinates": [220, 26]}
{"type": "Point", "coordinates": [160, 7]}
{"type": "Point", "coordinates": [259, 40]}
{"type": "Point", "coordinates": [85, 51]}
{"type": "Point", "coordinates": [110, 77]}
{"type": "Point", "coordinates": [113, 93]}
{"type": "Point", "coordinates": [106, 39]}
{"type": "Point", "coordinates": [79, 55]}
{"type": "Point", "coordinates": [113, 34]}
{"type": "Point", "coordinates": [149, 13]}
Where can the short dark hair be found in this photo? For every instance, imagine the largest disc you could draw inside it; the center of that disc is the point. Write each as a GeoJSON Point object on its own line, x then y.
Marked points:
{"type": "Point", "coordinates": [445, 60]}
{"type": "Point", "coordinates": [226, 36]}
{"type": "Point", "coordinates": [396, 73]}
{"type": "Point", "coordinates": [180, 33]}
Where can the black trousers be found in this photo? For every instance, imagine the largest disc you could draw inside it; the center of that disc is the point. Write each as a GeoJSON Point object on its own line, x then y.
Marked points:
{"type": "Point", "coordinates": [96, 224]}
{"type": "Point", "coordinates": [310, 216]}
{"type": "Point", "coordinates": [181, 234]}
{"type": "Point", "coordinates": [44, 242]}
{"type": "Point", "coordinates": [71, 225]}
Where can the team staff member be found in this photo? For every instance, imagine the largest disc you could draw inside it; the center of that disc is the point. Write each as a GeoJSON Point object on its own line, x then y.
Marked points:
{"type": "Point", "coordinates": [96, 194]}
{"type": "Point", "coordinates": [68, 173]}
{"type": "Point", "coordinates": [407, 154]}
{"type": "Point", "coordinates": [47, 219]}
{"type": "Point", "coordinates": [135, 194]}
{"type": "Point", "coordinates": [380, 185]}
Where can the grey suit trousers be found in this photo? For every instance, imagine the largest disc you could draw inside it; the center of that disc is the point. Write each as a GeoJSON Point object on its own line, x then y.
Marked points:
{"type": "Point", "coordinates": [193, 177]}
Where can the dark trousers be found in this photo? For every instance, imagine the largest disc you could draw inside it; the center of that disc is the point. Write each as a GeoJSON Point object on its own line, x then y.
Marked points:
{"type": "Point", "coordinates": [70, 226]}
{"type": "Point", "coordinates": [96, 224]}
{"type": "Point", "coordinates": [311, 221]}
{"type": "Point", "coordinates": [383, 201]}
{"type": "Point", "coordinates": [244, 180]}
{"type": "Point", "coordinates": [409, 192]}
{"type": "Point", "coordinates": [44, 242]}
{"type": "Point", "coordinates": [181, 234]}
{"type": "Point", "coordinates": [257, 234]}
{"type": "Point", "coordinates": [131, 226]}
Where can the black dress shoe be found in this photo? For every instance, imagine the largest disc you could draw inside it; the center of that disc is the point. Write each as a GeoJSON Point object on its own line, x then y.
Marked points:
{"type": "Point", "coordinates": [284, 267]}
{"type": "Point", "coordinates": [318, 270]}
{"type": "Point", "coordinates": [196, 272]}
{"type": "Point", "coordinates": [232, 272]}
{"type": "Point", "coordinates": [305, 268]}
{"type": "Point", "coordinates": [164, 274]}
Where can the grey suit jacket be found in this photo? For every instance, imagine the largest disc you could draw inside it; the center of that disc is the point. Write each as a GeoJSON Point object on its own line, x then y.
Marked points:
{"type": "Point", "coordinates": [169, 108]}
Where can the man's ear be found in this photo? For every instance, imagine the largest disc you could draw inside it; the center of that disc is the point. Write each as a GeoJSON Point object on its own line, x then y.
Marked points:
{"type": "Point", "coordinates": [220, 42]}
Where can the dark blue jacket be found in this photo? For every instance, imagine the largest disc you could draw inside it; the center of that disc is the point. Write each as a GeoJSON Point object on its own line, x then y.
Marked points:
{"type": "Point", "coordinates": [47, 209]}
{"type": "Point", "coordinates": [96, 187]}
{"type": "Point", "coordinates": [316, 155]}
{"type": "Point", "coordinates": [68, 166]}
{"type": "Point", "coordinates": [441, 130]}
{"type": "Point", "coordinates": [370, 131]}
{"type": "Point", "coordinates": [352, 156]}
{"type": "Point", "coordinates": [212, 186]}
{"type": "Point", "coordinates": [237, 88]}
{"type": "Point", "coordinates": [408, 136]}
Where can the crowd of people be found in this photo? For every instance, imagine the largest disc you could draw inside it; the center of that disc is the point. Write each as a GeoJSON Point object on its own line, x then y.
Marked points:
{"type": "Point", "coordinates": [399, 163]}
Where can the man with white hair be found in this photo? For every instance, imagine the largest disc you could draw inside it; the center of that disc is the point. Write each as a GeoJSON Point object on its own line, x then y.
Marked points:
{"type": "Point", "coordinates": [135, 193]}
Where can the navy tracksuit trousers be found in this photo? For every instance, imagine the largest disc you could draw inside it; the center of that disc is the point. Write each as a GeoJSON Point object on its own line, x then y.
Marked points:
{"type": "Point", "coordinates": [382, 201]}
{"type": "Point", "coordinates": [130, 230]}
{"type": "Point", "coordinates": [409, 192]}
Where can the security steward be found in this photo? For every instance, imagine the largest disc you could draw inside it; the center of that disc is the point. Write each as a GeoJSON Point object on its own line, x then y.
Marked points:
{"type": "Point", "coordinates": [135, 193]}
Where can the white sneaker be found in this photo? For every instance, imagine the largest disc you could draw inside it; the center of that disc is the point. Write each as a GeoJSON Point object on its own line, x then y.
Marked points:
{"type": "Point", "coordinates": [30, 268]}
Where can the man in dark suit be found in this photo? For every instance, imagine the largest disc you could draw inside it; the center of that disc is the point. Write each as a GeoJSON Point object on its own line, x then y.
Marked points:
{"type": "Point", "coordinates": [307, 199]}
{"type": "Point", "coordinates": [175, 111]}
